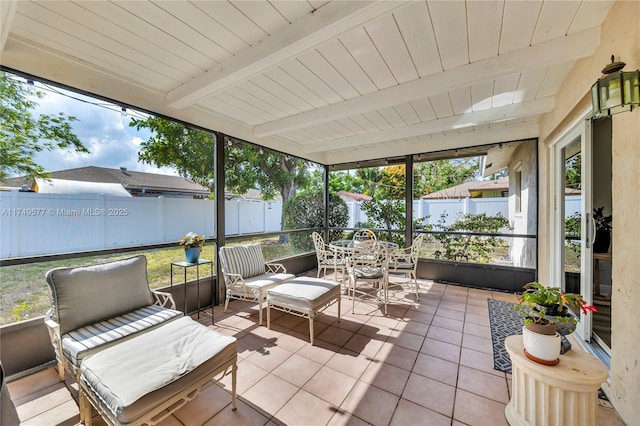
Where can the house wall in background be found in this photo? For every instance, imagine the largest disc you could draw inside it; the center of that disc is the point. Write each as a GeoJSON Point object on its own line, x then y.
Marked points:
{"type": "Point", "coordinates": [522, 251]}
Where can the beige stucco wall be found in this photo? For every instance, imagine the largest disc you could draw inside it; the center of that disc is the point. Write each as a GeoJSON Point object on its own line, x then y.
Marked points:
{"type": "Point", "coordinates": [523, 250]}
{"type": "Point", "coordinates": [620, 36]}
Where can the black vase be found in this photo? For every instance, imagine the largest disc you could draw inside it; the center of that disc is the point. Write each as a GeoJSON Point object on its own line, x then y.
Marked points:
{"type": "Point", "coordinates": [602, 241]}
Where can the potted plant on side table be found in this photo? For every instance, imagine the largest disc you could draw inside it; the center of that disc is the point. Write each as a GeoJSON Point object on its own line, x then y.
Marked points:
{"type": "Point", "coordinates": [193, 244]}
{"type": "Point", "coordinates": [546, 318]}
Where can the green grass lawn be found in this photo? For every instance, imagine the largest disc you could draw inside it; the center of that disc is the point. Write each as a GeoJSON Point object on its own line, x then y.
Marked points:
{"type": "Point", "coordinates": [24, 293]}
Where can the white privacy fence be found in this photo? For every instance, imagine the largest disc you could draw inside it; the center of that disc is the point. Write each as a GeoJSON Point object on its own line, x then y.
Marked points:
{"type": "Point", "coordinates": [35, 224]}
{"type": "Point", "coordinates": [433, 210]}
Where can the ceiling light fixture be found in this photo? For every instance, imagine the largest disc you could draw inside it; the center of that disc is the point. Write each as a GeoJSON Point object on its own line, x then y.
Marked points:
{"type": "Point", "coordinates": [616, 91]}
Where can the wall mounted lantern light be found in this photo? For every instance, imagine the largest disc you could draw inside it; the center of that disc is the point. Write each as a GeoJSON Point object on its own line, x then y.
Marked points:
{"type": "Point", "coordinates": [616, 91]}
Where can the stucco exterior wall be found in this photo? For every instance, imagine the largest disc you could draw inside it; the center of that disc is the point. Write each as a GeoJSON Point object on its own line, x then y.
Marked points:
{"type": "Point", "coordinates": [523, 250]}
{"type": "Point", "coordinates": [620, 36]}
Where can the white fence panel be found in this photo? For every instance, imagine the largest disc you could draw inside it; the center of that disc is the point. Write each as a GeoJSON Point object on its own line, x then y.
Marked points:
{"type": "Point", "coordinates": [250, 217]}
{"type": "Point", "coordinates": [433, 209]}
{"type": "Point", "coordinates": [46, 223]}
{"type": "Point", "coordinates": [143, 227]}
{"type": "Point", "coordinates": [272, 216]}
{"type": "Point", "coordinates": [356, 215]}
{"type": "Point", "coordinates": [490, 206]}
{"type": "Point", "coordinates": [572, 205]}
{"type": "Point", "coordinates": [180, 215]}
{"type": "Point", "coordinates": [231, 217]}
{"type": "Point", "coordinates": [35, 224]}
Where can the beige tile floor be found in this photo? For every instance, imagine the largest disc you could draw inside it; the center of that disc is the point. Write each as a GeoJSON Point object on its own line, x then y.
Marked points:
{"type": "Point", "coordinates": [428, 362]}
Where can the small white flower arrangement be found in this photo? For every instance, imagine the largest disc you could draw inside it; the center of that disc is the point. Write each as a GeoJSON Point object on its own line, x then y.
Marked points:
{"type": "Point", "coordinates": [191, 240]}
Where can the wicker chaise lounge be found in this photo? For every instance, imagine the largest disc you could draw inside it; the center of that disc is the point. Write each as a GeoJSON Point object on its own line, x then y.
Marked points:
{"type": "Point", "coordinates": [135, 359]}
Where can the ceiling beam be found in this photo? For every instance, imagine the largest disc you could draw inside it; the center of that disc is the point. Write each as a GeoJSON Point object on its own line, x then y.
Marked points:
{"type": "Point", "coordinates": [41, 62]}
{"type": "Point", "coordinates": [7, 12]}
{"type": "Point", "coordinates": [311, 30]}
{"type": "Point", "coordinates": [571, 47]}
{"type": "Point", "coordinates": [507, 112]}
{"type": "Point", "coordinates": [435, 143]}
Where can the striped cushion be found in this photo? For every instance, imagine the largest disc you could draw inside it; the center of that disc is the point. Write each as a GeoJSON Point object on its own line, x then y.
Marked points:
{"type": "Point", "coordinates": [245, 260]}
{"type": "Point", "coordinates": [85, 341]}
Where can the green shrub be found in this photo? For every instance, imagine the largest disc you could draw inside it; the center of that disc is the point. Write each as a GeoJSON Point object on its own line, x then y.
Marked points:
{"type": "Point", "coordinates": [389, 215]}
{"type": "Point", "coordinates": [306, 210]}
{"type": "Point", "coordinates": [470, 248]}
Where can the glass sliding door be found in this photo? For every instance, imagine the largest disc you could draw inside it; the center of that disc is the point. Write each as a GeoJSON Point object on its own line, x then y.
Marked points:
{"type": "Point", "coordinates": [572, 219]}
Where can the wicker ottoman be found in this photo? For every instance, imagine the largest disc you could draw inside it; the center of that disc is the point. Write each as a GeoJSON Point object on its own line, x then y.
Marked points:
{"type": "Point", "coordinates": [144, 379]}
{"type": "Point", "coordinates": [304, 297]}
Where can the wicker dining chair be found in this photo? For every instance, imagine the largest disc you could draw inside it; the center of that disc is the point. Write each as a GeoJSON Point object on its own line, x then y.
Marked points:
{"type": "Point", "coordinates": [328, 258]}
{"type": "Point", "coordinates": [368, 264]}
{"type": "Point", "coordinates": [405, 261]}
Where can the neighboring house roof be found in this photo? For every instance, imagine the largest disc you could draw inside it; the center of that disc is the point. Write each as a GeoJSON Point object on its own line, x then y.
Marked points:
{"type": "Point", "coordinates": [351, 196]}
{"type": "Point", "coordinates": [63, 186]}
{"type": "Point", "coordinates": [464, 190]}
{"type": "Point", "coordinates": [134, 182]}
{"type": "Point", "coordinates": [250, 195]}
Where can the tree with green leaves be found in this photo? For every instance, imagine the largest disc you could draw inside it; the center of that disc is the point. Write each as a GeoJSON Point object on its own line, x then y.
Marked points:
{"type": "Point", "coordinates": [250, 166]}
{"type": "Point", "coordinates": [23, 135]}
{"type": "Point", "coordinates": [390, 215]}
{"type": "Point", "coordinates": [345, 181]}
{"type": "Point", "coordinates": [393, 183]}
{"type": "Point", "coordinates": [191, 152]}
{"type": "Point", "coordinates": [370, 176]}
{"type": "Point", "coordinates": [573, 172]}
{"type": "Point", "coordinates": [437, 175]}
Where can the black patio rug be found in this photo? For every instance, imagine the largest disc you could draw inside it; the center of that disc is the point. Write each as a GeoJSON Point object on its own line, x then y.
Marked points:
{"type": "Point", "coordinates": [504, 322]}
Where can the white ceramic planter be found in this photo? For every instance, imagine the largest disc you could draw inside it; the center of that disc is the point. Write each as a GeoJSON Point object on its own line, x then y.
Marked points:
{"type": "Point", "coordinates": [540, 346]}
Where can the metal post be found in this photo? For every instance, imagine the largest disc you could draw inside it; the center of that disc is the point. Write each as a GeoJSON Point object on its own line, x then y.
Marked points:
{"type": "Point", "coordinates": [326, 203]}
{"type": "Point", "coordinates": [221, 147]}
{"type": "Point", "coordinates": [409, 200]}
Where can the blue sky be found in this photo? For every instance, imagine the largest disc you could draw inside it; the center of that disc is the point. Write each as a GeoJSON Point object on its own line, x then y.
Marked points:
{"type": "Point", "coordinates": [102, 129]}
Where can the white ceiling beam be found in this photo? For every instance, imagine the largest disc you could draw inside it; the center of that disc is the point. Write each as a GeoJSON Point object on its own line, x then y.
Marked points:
{"type": "Point", "coordinates": [571, 47]}
{"type": "Point", "coordinates": [306, 33]}
{"type": "Point", "coordinates": [54, 66]}
{"type": "Point", "coordinates": [524, 109]}
{"type": "Point", "coordinates": [7, 12]}
{"type": "Point", "coordinates": [434, 143]}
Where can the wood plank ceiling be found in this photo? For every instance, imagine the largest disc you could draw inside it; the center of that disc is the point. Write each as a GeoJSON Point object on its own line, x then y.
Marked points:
{"type": "Point", "coordinates": [331, 81]}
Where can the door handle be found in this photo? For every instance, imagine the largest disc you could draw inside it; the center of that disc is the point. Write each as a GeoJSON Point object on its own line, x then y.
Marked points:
{"type": "Point", "coordinates": [588, 230]}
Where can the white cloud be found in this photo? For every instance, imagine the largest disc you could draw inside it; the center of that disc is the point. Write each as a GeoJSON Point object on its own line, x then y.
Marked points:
{"type": "Point", "coordinates": [102, 129]}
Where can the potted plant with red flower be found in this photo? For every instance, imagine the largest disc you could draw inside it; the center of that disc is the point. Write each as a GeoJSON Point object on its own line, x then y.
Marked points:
{"type": "Point", "coordinates": [546, 318]}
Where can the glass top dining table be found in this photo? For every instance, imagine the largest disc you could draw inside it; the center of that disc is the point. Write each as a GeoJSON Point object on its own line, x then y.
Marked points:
{"type": "Point", "coordinates": [349, 244]}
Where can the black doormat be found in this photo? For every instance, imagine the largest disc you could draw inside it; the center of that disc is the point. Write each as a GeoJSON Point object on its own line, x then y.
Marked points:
{"type": "Point", "coordinates": [504, 322]}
